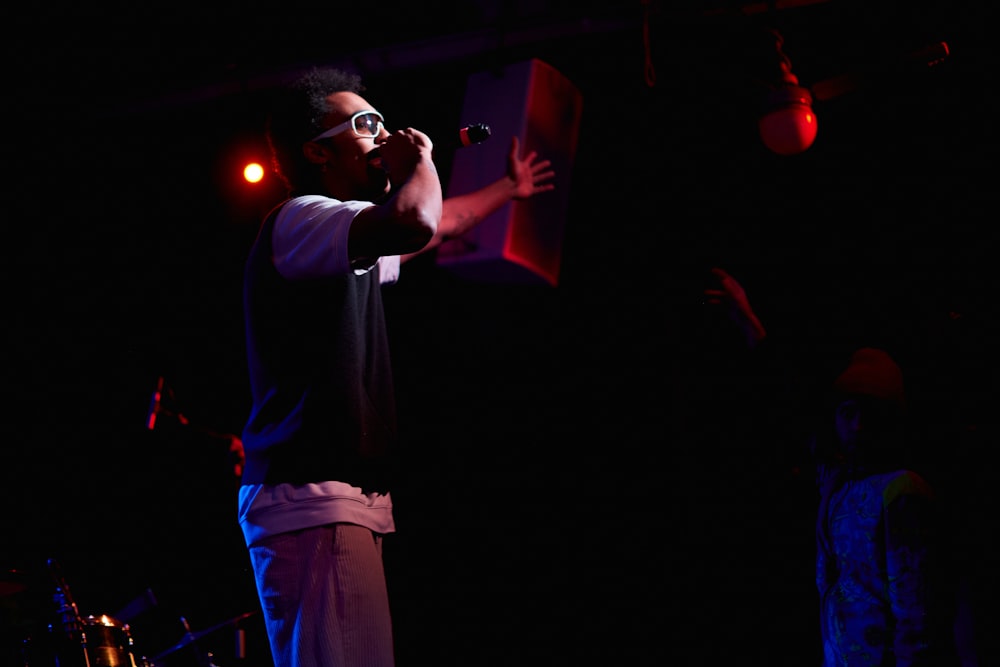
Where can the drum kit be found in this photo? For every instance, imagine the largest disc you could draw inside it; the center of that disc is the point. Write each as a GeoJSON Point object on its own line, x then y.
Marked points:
{"type": "Point", "coordinates": [56, 634]}
{"type": "Point", "coordinates": [42, 626]}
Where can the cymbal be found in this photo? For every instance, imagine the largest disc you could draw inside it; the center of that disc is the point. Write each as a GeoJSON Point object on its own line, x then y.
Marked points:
{"type": "Point", "coordinates": [10, 588]}
{"type": "Point", "coordinates": [12, 582]}
{"type": "Point", "coordinates": [192, 637]}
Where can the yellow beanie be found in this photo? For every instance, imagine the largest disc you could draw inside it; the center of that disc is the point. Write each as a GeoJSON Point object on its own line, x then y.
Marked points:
{"type": "Point", "coordinates": [872, 372]}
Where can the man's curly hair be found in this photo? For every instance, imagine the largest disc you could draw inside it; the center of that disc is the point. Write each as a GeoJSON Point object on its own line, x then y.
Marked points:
{"type": "Point", "coordinates": [296, 115]}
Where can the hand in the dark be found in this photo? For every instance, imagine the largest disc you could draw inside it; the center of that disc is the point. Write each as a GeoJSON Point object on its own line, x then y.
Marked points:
{"type": "Point", "coordinates": [729, 294]}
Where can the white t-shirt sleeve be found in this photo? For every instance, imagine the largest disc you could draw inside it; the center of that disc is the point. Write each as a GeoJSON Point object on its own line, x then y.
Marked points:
{"type": "Point", "coordinates": [310, 237]}
{"type": "Point", "coordinates": [310, 240]}
{"type": "Point", "coordinates": [388, 267]}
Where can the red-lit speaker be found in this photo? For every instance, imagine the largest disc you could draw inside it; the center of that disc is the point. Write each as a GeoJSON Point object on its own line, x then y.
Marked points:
{"type": "Point", "coordinates": [521, 242]}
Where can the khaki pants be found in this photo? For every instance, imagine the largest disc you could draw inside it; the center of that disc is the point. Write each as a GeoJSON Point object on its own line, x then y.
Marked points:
{"type": "Point", "coordinates": [324, 597]}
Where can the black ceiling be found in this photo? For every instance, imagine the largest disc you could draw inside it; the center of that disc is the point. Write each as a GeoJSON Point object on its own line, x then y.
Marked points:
{"type": "Point", "coordinates": [154, 52]}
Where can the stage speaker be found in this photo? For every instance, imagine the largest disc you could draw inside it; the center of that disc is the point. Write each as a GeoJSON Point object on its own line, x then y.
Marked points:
{"type": "Point", "coordinates": [521, 243]}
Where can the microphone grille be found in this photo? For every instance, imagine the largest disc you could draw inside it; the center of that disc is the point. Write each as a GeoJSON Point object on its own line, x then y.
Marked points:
{"type": "Point", "coordinates": [474, 133]}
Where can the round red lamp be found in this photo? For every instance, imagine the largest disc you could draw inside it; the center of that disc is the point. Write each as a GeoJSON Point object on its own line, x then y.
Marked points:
{"type": "Point", "coordinates": [787, 123]}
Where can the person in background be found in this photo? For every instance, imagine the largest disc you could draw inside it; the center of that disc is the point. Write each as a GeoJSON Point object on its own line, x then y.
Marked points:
{"type": "Point", "coordinates": [886, 595]}
{"type": "Point", "coordinates": [878, 532]}
{"type": "Point", "coordinates": [315, 497]}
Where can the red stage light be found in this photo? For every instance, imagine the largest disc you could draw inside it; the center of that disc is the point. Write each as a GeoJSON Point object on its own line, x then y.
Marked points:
{"type": "Point", "coordinates": [253, 172]}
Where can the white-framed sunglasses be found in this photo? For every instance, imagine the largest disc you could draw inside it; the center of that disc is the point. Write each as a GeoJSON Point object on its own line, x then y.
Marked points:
{"type": "Point", "coordinates": [366, 124]}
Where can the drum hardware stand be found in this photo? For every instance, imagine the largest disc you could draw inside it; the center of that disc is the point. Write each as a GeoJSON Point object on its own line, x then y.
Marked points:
{"type": "Point", "coordinates": [204, 658]}
{"type": "Point", "coordinates": [68, 614]}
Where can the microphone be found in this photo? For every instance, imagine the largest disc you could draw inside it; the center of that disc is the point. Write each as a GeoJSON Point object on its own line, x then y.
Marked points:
{"type": "Point", "coordinates": [475, 133]}
{"type": "Point", "coordinates": [154, 404]}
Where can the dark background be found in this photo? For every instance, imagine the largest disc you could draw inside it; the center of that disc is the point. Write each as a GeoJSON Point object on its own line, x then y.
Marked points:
{"type": "Point", "coordinates": [583, 483]}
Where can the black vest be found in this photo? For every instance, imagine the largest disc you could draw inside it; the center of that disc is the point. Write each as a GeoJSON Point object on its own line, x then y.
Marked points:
{"type": "Point", "coordinates": [320, 376]}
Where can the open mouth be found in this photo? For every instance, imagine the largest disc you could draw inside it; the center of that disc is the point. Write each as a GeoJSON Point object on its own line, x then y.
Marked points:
{"type": "Point", "coordinates": [374, 158]}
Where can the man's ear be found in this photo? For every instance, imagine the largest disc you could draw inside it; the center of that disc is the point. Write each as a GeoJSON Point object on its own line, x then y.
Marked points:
{"type": "Point", "coordinates": [316, 152]}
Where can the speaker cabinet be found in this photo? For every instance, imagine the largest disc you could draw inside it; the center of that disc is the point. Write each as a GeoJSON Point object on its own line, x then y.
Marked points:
{"type": "Point", "coordinates": [521, 243]}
